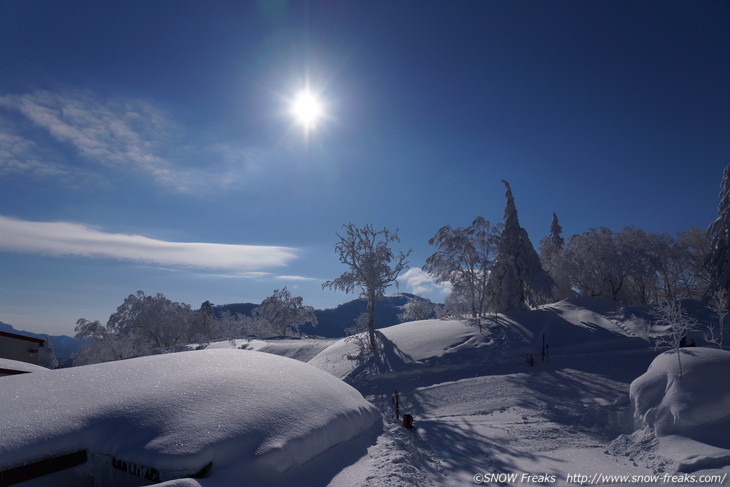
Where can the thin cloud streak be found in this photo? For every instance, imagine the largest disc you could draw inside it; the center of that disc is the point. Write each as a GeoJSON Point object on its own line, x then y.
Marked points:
{"type": "Point", "coordinates": [297, 278]}
{"type": "Point", "coordinates": [75, 239]}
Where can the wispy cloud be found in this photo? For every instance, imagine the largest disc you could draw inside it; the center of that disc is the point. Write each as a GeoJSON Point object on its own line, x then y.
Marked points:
{"type": "Point", "coordinates": [121, 133]}
{"type": "Point", "coordinates": [419, 282]}
{"type": "Point", "coordinates": [75, 239]}
{"type": "Point", "coordinates": [19, 156]}
{"type": "Point", "coordinates": [297, 278]}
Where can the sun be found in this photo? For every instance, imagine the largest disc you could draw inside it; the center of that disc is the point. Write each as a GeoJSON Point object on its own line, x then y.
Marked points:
{"type": "Point", "coordinates": [307, 109]}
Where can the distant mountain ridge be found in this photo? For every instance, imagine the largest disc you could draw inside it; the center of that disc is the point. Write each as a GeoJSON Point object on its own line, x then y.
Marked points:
{"type": "Point", "coordinates": [332, 322]}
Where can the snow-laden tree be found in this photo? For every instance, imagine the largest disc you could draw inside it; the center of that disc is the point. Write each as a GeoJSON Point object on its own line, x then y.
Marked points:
{"type": "Point", "coordinates": [100, 343]}
{"type": "Point", "coordinates": [464, 258]}
{"type": "Point", "coordinates": [719, 234]}
{"type": "Point", "coordinates": [718, 303]}
{"type": "Point", "coordinates": [693, 251]}
{"type": "Point", "coordinates": [595, 264]}
{"type": "Point", "coordinates": [232, 327]}
{"type": "Point", "coordinates": [552, 256]}
{"type": "Point", "coordinates": [140, 326]}
{"type": "Point", "coordinates": [152, 322]}
{"type": "Point", "coordinates": [677, 323]}
{"type": "Point", "coordinates": [638, 251]}
{"type": "Point", "coordinates": [285, 312]}
{"type": "Point", "coordinates": [46, 356]}
{"type": "Point", "coordinates": [518, 280]}
{"type": "Point", "coordinates": [372, 266]}
{"type": "Point", "coordinates": [416, 309]}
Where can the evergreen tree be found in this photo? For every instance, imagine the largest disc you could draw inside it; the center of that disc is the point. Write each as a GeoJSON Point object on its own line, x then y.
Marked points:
{"type": "Point", "coordinates": [552, 255]}
{"type": "Point", "coordinates": [719, 234]}
{"type": "Point", "coordinates": [518, 280]}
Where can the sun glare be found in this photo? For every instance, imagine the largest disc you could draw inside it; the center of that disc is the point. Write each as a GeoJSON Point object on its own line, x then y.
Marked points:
{"type": "Point", "coordinates": [307, 109]}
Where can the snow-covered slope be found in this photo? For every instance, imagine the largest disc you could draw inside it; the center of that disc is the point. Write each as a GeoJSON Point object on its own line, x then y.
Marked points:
{"type": "Point", "coordinates": [567, 328]}
{"type": "Point", "coordinates": [483, 413]}
{"type": "Point", "coordinates": [247, 413]}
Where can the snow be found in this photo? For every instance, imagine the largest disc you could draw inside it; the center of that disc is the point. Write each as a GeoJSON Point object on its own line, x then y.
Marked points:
{"type": "Point", "coordinates": [181, 411]}
{"type": "Point", "coordinates": [405, 345]}
{"type": "Point", "coordinates": [695, 405]}
{"type": "Point", "coordinates": [600, 406]}
{"type": "Point", "coordinates": [20, 366]}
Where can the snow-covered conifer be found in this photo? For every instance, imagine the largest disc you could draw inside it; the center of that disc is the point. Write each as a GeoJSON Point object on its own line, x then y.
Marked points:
{"type": "Point", "coordinates": [518, 280]}
{"type": "Point", "coordinates": [553, 259]}
{"type": "Point", "coordinates": [719, 235]}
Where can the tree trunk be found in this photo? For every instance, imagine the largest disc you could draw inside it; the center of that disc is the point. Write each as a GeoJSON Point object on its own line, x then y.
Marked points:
{"type": "Point", "coordinates": [371, 321]}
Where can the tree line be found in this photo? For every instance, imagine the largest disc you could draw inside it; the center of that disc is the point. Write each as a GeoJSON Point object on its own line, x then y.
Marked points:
{"type": "Point", "coordinates": [152, 324]}
{"type": "Point", "coordinates": [491, 269]}
{"type": "Point", "coordinates": [495, 268]}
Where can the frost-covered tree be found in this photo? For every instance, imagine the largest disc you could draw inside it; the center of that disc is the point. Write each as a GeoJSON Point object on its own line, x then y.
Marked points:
{"type": "Point", "coordinates": [100, 343]}
{"type": "Point", "coordinates": [140, 326]}
{"type": "Point", "coordinates": [552, 256]}
{"type": "Point", "coordinates": [719, 234]}
{"type": "Point", "coordinates": [285, 312]}
{"type": "Point", "coordinates": [464, 258]}
{"type": "Point", "coordinates": [372, 266]}
{"type": "Point", "coordinates": [674, 318]}
{"type": "Point", "coordinates": [417, 309]}
{"type": "Point", "coordinates": [719, 305]}
{"type": "Point", "coordinates": [693, 251]}
{"type": "Point", "coordinates": [637, 251]}
{"type": "Point", "coordinates": [46, 356]}
{"type": "Point", "coordinates": [154, 323]}
{"type": "Point", "coordinates": [517, 281]}
{"type": "Point", "coordinates": [595, 264]}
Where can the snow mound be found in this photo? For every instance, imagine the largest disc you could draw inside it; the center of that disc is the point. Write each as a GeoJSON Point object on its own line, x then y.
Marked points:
{"type": "Point", "coordinates": [302, 349]}
{"type": "Point", "coordinates": [695, 405]}
{"type": "Point", "coordinates": [16, 365]}
{"type": "Point", "coordinates": [256, 411]}
{"type": "Point", "coordinates": [415, 343]}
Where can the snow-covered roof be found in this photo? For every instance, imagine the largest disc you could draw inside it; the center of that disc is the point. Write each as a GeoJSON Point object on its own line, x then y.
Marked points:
{"type": "Point", "coordinates": [182, 411]}
{"type": "Point", "coordinates": [16, 366]}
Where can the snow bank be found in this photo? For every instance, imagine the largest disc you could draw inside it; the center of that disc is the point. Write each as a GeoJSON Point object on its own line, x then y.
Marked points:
{"type": "Point", "coordinates": [257, 411]}
{"type": "Point", "coordinates": [405, 344]}
{"type": "Point", "coordinates": [19, 366]}
{"type": "Point", "coordinates": [696, 405]}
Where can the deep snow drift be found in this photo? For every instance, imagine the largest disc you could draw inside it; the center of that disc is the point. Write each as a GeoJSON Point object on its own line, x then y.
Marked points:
{"type": "Point", "coordinates": [695, 404]}
{"type": "Point", "coordinates": [480, 408]}
{"type": "Point", "coordinates": [683, 420]}
{"type": "Point", "coordinates": [19, 366]}
{"type": "Point", "coordinates": [252, 412]}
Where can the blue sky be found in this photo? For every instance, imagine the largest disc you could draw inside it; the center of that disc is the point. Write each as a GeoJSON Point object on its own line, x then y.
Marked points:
{"type": "Point", "coordinates": [150, 145]}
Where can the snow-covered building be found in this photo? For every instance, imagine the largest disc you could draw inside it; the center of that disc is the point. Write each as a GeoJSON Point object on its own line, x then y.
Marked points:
{"type": "Point", "coordinates": [18, 348]}
{"type": "Point", "coordinates": [232, 416]}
